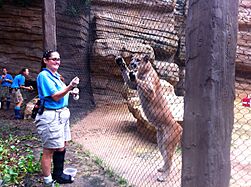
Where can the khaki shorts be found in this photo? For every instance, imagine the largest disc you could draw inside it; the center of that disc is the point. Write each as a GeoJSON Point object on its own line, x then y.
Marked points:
{"type": "Point", "coordinates": [54, 128]}
{"type": "Point", "coordinates": [17, 96]}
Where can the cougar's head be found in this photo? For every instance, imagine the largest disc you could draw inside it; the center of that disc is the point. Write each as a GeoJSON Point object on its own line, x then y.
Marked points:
{"type": "Point", "coordinates": [139, 61]}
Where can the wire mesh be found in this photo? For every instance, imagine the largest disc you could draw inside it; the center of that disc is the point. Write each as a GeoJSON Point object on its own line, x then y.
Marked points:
{"type": "Point", "coordinates": [241, 144]}
{"type": "Point", "coordinates": [108, 119]}
{"type": "Point", "coordinates": [118, 131]}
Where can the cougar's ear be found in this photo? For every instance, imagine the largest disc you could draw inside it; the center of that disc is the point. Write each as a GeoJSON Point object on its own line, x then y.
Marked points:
{"type": "Point", "coordinates": [146, 58]}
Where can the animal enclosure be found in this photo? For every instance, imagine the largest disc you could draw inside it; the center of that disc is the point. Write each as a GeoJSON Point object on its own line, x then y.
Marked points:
{"type": "Point", "coordinates": [108, 119]}
{"type": "Point", "coordinates": [118, 131]}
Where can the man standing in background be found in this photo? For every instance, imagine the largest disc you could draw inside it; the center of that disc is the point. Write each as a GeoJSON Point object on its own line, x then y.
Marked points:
{"type": "Point", "coordinates": [6, 81]}
{"type": "Point", "coordinates": [19, 83]}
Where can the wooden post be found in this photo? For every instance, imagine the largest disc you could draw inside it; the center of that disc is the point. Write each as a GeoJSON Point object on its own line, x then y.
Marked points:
{"type": "Point", "coordinates": [211, 37]}
{"type": "Point", "coordinates": [49, 25]}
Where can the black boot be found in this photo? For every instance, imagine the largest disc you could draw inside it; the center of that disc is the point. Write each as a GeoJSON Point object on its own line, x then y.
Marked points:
{"type": "Point", "coordinates": [58, 167]}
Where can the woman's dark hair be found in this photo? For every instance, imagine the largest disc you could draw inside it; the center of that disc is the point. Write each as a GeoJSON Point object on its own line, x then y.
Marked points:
{"type": "Point", "coordinates": [46, 55]}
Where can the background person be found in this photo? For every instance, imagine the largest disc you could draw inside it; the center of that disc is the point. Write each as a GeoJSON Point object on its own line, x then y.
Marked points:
{"type": "Point", "coordinates": [6, 81]}
{"type": "Point", "coordinates": [53, 123]}
{"type": "Point", "coordinates": [17, 84]}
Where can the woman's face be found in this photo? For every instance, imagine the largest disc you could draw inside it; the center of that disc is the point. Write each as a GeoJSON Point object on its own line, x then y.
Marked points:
{"type": "Point", "coordinates": [53, 62]}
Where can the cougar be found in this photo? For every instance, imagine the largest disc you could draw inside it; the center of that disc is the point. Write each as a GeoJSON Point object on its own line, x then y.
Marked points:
{"type": "Point", "coordinates": [145, 80]}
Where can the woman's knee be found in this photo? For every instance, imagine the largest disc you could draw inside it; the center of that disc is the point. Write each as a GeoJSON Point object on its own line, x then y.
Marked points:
{"type": "Point", "coordinates": [48, 152]}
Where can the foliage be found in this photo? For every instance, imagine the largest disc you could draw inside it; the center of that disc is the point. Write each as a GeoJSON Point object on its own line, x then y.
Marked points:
{"type": "Point", "coordinates": [16, 160]}
{"type": "Point", "coordinates": [108, 171]}
{"type": "Point", "coordinates": [122, 181]}
{"type": "Point", "coordinates": [98, 161]}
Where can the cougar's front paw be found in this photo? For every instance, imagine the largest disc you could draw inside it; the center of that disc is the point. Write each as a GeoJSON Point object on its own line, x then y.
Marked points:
{"type": "Point", "coordinates": [120, 62]}
{"type": "Point", "coordinates": [132, 76]}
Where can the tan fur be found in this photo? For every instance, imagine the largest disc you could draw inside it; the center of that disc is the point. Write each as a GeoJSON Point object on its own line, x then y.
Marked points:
{"type": "Point", "coordinates": [29, 107]}
{"type": "Point", "coordinates": [155, 107]}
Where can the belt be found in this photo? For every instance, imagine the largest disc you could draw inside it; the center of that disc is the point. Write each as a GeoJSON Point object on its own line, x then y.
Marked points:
{"type": "Point", "coordinates": [57, 110]}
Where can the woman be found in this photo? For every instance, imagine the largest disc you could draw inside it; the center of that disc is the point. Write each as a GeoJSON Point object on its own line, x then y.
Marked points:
{"type": "Point", "coordinates": [17, 84]}
{"type": "Point", "coordinates": [52, 120]}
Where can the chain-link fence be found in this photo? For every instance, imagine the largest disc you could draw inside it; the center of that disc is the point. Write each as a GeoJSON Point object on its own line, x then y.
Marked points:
{"type": "Point", "coordinates": [241, 144]}
{"type": "Point", "coordinates": [118, 130]}
{"type": "Point", "coordinates": [109, 119]}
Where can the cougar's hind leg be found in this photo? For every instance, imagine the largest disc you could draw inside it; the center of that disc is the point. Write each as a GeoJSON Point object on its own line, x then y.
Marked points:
{"type": "Point", "coordinates": [161, 146]}
{"type": "Point", "coordinates": [170, 141]}
{"type": "Point", "coordinates": [164, 170]}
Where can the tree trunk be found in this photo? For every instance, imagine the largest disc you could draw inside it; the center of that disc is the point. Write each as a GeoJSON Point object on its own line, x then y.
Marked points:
{"type": "Point", "coordinates": [211, 37]}
{"type": "Point", "coordinates": [49, 25]}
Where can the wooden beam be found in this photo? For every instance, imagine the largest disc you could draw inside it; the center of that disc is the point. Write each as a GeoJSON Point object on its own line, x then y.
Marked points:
{"type": "Point", "coordinates": [49, 25]}
{"type": "Point", "coordinates": [211, 39]}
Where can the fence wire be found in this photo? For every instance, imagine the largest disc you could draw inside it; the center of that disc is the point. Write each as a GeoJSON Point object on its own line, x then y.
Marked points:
{"type": "Point", "coordinates": [117, 130]}
{"type": "Point", "coordinates": [241, 144]}
{"type": "Point", "coordinates": [108, 119]}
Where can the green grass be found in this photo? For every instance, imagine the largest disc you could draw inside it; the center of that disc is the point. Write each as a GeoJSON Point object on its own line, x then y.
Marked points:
{"type": "Point", "coordinates": [108, 171]}
{"type": "Point", "coordinates": [16, 160]}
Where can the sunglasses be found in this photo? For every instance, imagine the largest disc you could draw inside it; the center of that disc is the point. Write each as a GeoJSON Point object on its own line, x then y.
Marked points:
{"type": "Point", "coordinates": [54, 59]}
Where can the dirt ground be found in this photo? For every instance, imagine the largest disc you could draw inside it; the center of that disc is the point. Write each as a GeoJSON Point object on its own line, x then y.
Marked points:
{"type": "Point", "coordinates": [90, 173]}
{"type": "Point", "coordinates": [119, 154]}
{"type": "Point", "coordinates": [110, 132]}
{"type": "Point", "coordinates": [107, 150]}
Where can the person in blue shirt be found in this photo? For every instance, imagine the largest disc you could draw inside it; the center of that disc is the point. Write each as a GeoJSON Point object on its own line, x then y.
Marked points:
{"type": "Point", "coordinates": [5, 80]}
{"type": "Point", "coordinates": [52, 120]}
{"type": "Point", "coordinates": [18, 84]}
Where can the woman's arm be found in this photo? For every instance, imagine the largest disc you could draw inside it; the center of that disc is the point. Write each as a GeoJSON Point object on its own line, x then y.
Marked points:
{"type": "Point", "coordinates": [60, 94]}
